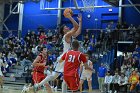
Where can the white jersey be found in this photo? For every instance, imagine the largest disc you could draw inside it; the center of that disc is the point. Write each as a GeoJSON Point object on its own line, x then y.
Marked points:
{"type": "Point", "coordinates": [66, 46]}
{"type": "Point", "coordinates": [87, 71]}
{"type": "Point", "coordinates": [1, 62]}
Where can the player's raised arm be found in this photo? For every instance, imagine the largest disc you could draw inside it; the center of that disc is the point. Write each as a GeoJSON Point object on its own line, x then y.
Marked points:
{"type": "Point", "coordinates": [80, 26]}
{"type": "Point", "coordinates": [68, 14]}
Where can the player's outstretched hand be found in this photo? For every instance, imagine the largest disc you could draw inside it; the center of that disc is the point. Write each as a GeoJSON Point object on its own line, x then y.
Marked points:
{"type": "Point", "coordinates": [68, 15]}
{"type": "Point", "coordinates": [79, 17]}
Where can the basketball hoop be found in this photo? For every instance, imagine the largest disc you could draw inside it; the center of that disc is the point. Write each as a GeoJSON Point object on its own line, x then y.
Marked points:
{"type": "Point", "coordinates": [88, 5]}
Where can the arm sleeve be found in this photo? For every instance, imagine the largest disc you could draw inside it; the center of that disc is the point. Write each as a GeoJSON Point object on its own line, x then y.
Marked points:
{"type": "Point", "coordinates": [119, 81]}
{"type": "Point", "coordinates": [83, 58]}
{"type": "Point", "coordinates": [105, 79]}
{"type": "Point", "coordinates": [126, 80]}
{"type": "Point", "coordinates": [63, 57]}
{"type": "Point", "coordinates": [111, 78]}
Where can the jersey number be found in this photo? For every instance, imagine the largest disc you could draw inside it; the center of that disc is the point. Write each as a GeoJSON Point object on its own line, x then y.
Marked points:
{"type": "Point", "coordinates": [71, 58]}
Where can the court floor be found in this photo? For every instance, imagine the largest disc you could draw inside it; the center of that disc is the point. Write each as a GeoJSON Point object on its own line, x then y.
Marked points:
{"type": "Point", "coordinates": [10, 90]}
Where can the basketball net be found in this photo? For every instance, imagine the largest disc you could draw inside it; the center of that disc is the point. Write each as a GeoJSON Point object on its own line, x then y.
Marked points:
{"type": "Point", "coordinates": [88, 6]}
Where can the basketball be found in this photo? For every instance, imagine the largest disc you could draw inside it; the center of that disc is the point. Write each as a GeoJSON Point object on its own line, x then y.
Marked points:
{"type": "Point", "coordinates": [66, 11]}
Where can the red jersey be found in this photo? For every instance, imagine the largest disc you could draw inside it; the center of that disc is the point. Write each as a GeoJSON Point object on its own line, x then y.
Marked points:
{"type": "Point", "coordinates": [40, 68]}
{"type": "Point", "coordinates": [73, 60]}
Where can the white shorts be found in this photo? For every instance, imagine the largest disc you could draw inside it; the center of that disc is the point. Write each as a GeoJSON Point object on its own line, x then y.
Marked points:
{"type": "Point", "coordinates": [59, 67]}
{"type": "Point", "coordinates": [86, 76]}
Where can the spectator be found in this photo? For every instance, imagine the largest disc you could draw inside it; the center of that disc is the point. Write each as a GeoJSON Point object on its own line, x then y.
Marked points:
{"type": "Point", "coordinates": [128, 72]}
{"type": "Point", "coordinates": [114, 85]}
{"type": "Point", "coordinates": [1, 74]}
{"type": "Point", "coordinates": [133, 80]}
{"type": "Point", "coordinates": [49, 34]}
{"type": "Point", "coordinates": [123, 81]}
{"type": "Point", "coordinates": [28, 76]}
{"type": "Point", "coordinates": [12, 56]}
{"type": "Point", "coordinates": [107, 82]}
{"type": "Point", "coordinates": [86, 41]}
{"type": "Point", "coordinates": [123, 68]}
{"type": "Point", "coordinates": [101, 76]}
{"type": "Point", "coordinates": [1, 41]}
{"type": "Point", "coordinates": [108, 28]}
{"type": "Point", "coordinates": [43, 38]}
{"type": "Point", "coordinates": [118, 26]}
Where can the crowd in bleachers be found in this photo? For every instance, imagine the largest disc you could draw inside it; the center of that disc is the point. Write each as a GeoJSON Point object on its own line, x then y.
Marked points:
{"type": "Point", "coordinates": [124, 72]}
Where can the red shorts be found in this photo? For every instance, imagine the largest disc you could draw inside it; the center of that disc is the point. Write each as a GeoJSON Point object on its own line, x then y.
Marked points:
{"type": "Point", "coordinates": [72, 82]}
{"type": "Point", "coordinates": [38, 77]}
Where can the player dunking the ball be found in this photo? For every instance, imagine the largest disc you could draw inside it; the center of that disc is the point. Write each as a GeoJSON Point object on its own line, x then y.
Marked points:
{"type": "Point", "coordinates": [73, 58]}
{"type": "Point", "coordinates": [67, 35]}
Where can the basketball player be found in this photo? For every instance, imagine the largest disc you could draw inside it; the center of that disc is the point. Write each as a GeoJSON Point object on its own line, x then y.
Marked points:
{"type": "Point", "coordinates": [39, 66]}
{"type": "Point", "coordinates": [67, 35]}
{"type": "Point", "coordinates": [86, 75]}
{"type": "Point", "coordinates": [73, 58]}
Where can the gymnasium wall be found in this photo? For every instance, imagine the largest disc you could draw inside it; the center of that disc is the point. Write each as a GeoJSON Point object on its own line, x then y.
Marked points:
{"type": "Point", "coordinates": [130, 15]}
{"type": "Point", "coordinates": [99, 18]}
{"type": "Point", "coordinates": [34, 17]}
{"type": "Point", "coordinates": [11, 22]}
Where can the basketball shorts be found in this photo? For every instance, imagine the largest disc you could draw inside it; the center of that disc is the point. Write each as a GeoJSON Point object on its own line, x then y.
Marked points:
{"type": "Point", "coordinates": [38, 77]}
{"type": "Point", "coordinates": [72, 82]}
{"type": "Point", "coordinates": [59, 67]}
{"type": "Point", "coordinates": [86, 76]}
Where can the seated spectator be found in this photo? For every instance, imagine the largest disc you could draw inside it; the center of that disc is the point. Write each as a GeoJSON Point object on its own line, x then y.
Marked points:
{"type": "Point", "coordinates": [43, 38]}
{"type": "Point", "coordinates": [123, 68]}
{"type": "Point", "coordinates": [138, 73]}
{"type": "Point", "coordinates": [123, 81]}
{"type": "Point", "coordinates": [128, 72]}
{"type": "Point", "coordinates": [114, 85]}
{"type": "Point", "coordinates": [1, 41]}
{"type": "Point", "coordinates": [1, 74]}
{"type": "Point", "coordinates": [133, 80]}
{"type": "Point", "coordinates": [34, 51]}
{"type": "Point", "coordinates": [12, 57]}
{"type": "Point", "coordinates": [107, 82]}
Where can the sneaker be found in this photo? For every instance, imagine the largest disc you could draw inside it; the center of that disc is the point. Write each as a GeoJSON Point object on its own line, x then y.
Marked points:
{"type": "Point", "coordinates": [25, 89]}
{"type": "Point", "coordinates": [110, 91]}
{"type": "Point", "coordinates": [55, 89]}
{"type": "Point", "coordinates": [35, 88]}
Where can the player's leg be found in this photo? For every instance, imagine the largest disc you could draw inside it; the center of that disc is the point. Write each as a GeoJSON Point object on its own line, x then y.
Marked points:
{"type": "Point", "coordinates": [48, 87]}
{"type": "Point", "coordinates": [72, 82]}
{"type": "Point", "coordinates": [41, 77]}
{"type": "Point", "coordinates": [81, 85]}
{"type": "Point", "coordinates": [1, 81]}
{"type": "Point", "coordinates": [64, 87]}
{"type": "Point", "coordinates": [48, 78]}
{"type": "Point", "coordinates": [82, 78]}
{"type": "Point", "coordinates": [89, 79]}
{"type": "Point", "coordinates": [90, 86]}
